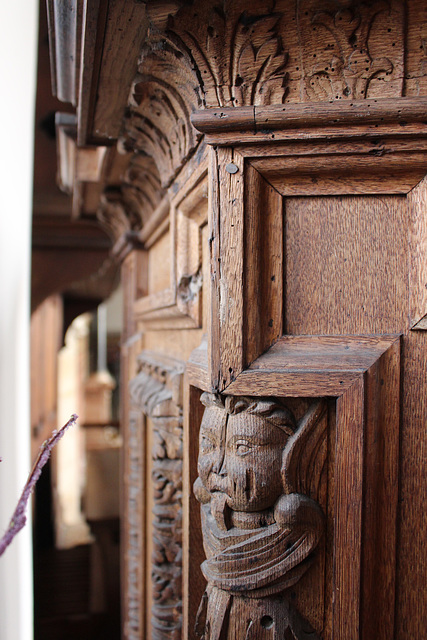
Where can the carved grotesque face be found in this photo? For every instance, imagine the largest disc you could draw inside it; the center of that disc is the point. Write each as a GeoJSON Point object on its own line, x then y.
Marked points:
{"type": "Point", "coordinates": [240, 452]}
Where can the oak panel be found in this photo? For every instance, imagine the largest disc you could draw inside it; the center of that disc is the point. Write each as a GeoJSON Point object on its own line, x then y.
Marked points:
{"type": "Point", "coordinates": [346, 265]}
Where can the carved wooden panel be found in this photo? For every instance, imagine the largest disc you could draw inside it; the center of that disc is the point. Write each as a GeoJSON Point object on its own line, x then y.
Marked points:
{"type": "Point", "coordinates": [358, 498]}
{"type": "Point", "coordinates": [265, 166]}
{"type": "Point", "coordinates": [133, 542]}
{"type": "Point", "coordinates": [157, 392]}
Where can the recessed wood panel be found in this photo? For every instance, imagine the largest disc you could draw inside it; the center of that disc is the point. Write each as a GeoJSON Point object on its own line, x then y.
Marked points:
{"type": "Point", "coordinates": [346, 266]}
{"type": "Point", "coordinates": [159, 277]}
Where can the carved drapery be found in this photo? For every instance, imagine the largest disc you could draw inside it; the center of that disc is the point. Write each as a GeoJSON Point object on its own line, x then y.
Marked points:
{"type": "Point", "coordinates": [157, 392]}
{"type": "Point", "coordinates": [260, 475]}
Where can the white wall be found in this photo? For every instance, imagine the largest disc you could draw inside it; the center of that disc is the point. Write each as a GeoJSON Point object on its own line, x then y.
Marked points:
{"type": "Point", "coordinates": [18, 20]}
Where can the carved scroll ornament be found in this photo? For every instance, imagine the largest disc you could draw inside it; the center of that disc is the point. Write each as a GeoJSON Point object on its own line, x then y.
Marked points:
{"type": "Point", "coordinates": [259, 529]}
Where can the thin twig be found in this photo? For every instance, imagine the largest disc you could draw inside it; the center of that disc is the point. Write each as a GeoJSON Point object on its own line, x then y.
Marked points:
{"type": "Point", "coordinates": [19, 518]}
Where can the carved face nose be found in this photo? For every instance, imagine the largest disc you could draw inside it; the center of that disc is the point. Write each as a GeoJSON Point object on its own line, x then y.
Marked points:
{"type": "Point", "coordinates": [223, 469]}
{"type": "Point", "coordinates": [219, 467]}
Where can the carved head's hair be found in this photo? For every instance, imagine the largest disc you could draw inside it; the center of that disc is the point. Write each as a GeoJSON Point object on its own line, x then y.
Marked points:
{"type": "Point", "coordinates": [211, 400]}
{"type": "Point", "coordinates": [271, 410]}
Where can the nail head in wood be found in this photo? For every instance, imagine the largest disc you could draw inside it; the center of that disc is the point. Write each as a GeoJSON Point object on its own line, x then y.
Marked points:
{"type": "Point", "coordinates": [231, 167]}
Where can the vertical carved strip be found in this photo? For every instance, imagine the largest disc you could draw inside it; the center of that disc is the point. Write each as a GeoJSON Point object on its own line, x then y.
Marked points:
{"type": "Point", "coordinates": [157, 391]}
{"type": "Point", "coordinates": [134, 615]}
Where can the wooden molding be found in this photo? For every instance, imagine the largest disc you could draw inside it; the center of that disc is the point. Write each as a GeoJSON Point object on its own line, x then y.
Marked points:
{"type": "Point", "coordinates": [77, 165]}
{"type": "Point", "coordinates": [330, 115]}
{"type": "Point", "coordinates": [368, 146]}
{"type": "Point", "coordinates": [64, 23]}
{"type": "Point", "coordinates": [104, 76]}
{"type": "Point", "coordinates": [311, 365]}
{"type": "Point", "coordinates": [248, 212]}
{"type": "Point", "coordinates": [246, 283]}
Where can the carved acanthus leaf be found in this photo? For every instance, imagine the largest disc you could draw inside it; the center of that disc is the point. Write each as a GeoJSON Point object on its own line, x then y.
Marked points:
{"type": "Point", "coordinates": [163, 96]}
{"type": "Point", "coordinates": [338, 55]}
{"type": "Point", "coordinates": [209, 55]}
{"type": "Point", "coordinates": [141, 188]}
{"type": "Point", "coordinates": [111, 213]}
{"type": "Point", "coordinates": [239, 57]}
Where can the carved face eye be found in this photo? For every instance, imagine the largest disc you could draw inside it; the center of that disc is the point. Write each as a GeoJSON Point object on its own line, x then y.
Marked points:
{"type": "Point", "coordinates": [242, 447]}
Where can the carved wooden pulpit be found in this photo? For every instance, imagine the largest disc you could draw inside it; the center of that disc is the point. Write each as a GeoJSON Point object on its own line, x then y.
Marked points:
{"type": "Point", "coordinates": [263, 180]}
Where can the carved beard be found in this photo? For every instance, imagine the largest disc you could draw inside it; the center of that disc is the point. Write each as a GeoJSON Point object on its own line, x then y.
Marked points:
{"type": "Point", "coordinates": [265, 560]}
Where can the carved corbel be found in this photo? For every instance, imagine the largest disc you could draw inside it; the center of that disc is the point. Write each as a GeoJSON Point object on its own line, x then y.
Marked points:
{"type": "Point", "coordinates": [206, 56]}
{"type": "Point", "coordinates": [259, 482]}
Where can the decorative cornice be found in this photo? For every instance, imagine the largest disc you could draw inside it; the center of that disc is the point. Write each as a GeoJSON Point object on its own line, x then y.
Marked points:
{"type": "Point", "coordinates": [208, 56]}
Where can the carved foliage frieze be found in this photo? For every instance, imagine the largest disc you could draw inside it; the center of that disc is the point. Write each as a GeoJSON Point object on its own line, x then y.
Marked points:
{"type": "Point", "coordinates": [260, 475]}
{"type": "Point", "coordinates": [351, 49]}
{"type": "Point", "coordinates": [157, 391]}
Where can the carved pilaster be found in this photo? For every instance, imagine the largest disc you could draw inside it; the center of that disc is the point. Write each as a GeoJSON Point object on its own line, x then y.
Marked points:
{"type": "Point", "coordinates": [260, 476]}
{"type": "Point", "coordinates": [157, 392]}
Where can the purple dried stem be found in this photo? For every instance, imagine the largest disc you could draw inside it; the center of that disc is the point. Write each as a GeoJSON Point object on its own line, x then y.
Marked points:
{"type": "Point", "coordinates": [19, 518]}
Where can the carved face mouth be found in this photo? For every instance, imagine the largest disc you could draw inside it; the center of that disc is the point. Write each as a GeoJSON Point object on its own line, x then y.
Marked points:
{"type": "Point", "coordinates": [218, 484]}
